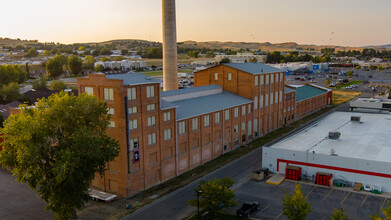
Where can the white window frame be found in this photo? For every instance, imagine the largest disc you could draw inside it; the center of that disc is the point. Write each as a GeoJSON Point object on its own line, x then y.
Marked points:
{"type": "Point", "coordinates": [243, 110]}
{"type": "Point", "coordinates": [236, 112]}
{"type": "Point", "coordinates": [226, 114]}
{"type": "Point", "coordinates": [151, 138]}
{"type": "Point", "coordinates": [229, 76]}
{"type": "Point", "coordinates": [89, 90]}
{"type": "Point", "coordinates": [271, 98]}
{"type": "Point", "coordinates": [217, 117]}
{"type": "Point", "coordinates": [133, 124]}
{"type": "Point", "coordinates": [194, 124]}
{"type": "Point", "coordinates": [216, 76]}
{"type": "Point", "coordinates": [206, 121]}
{"type": "Point", "coordinates": [111, 124]}
{"type": "Point", "coordinates": [110, 111]}
{"type": "Point", "coordinates": [151, 120]}
{"type": "Point", "coordinates": [267, 100]}
{"type": "Point", "coordinates": [132, 95]}
{"type": "Point", "coordinates": [108, 94]}
{"type": "Point", "coordinates": [261, 102]}
{"type": "Point", "coordinates": [167, 134]}
{"type": "Point", "coordinates": [167, 116]}
{"type": "Point", "coordinates": [132, 110]}
{"type": "Point", "coordinates": [256, 81]}
{"type": "Point", "coordinates": [150, 91]}
{"type": "Point", "coordinates": [132, 143]}
{"type": "Point", "coordinates": [243, 126]}
{"type": "Point", "coordinates": [256, 102]}
{"type": "Point", "coordinates": [236, 128]}
{"type": "Point", "coordinates": [182, 127]}
{"type": "Point", "coordinates": [151, 107]}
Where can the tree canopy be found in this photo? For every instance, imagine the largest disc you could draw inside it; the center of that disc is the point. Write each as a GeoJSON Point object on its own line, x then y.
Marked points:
{"type": "Point", "coordinates": [55, 66]}
{"type": "Point", "coordinates": [225, 60]}
{"type": "Point", "coordinates": [57, 85]}
{"type": "Point", "coordinates": [41, 83]}
{"type": "Point", "coordinates": [295, 205]}
{"type": "Point", "coordinates": [385, 211]}
{"type": "Point", "coordinates": [10, 93]}
{"type": "Point", "coordinates": [339, 215]}
{"type": "Point", "coordinates": [58, 147]}
{"type": "Point", "coordinates": [216, 194]}
{"type": "Point", "coordinates": [75, 64]}
{"type": "Point", "coordinates": [12, 73]}
{"type": "Point", "coordinates": [90, 60]}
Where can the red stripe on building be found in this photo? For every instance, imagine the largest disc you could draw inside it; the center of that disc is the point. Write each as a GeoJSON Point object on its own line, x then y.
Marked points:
{"type": "Point", "coordinates": [332, 168]}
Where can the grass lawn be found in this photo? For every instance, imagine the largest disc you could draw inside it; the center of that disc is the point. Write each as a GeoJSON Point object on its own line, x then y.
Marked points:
{"type": "Point", "coordinates": [348, 84]}
{"type": "Point", "coordinates": [340, 96]}
{"type": "Point", "coordinates": [117, 210]}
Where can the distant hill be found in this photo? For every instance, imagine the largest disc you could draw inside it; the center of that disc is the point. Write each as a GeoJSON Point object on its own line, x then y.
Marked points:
{"type": "Point", "coordinates": [142, 44]}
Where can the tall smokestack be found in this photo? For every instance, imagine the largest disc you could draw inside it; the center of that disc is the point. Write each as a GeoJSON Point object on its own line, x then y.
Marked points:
{"type": "Point", "coordinates": [170, 68]}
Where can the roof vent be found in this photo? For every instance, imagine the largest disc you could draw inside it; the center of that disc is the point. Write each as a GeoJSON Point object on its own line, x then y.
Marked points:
{"type": "Point", "coordinates": [355, 119]}
{"type": "Point", "coordinates": [334, 135]}
{"type": "Point", "coordinates": [333, 152]}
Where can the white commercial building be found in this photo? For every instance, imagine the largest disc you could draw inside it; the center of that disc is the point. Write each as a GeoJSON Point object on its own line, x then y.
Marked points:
{"type": "Point", "coordinates": [361, 154]}
{"type": "Point", "coordinates": [242, 58]}
{"type": "Point", "coordinates": [122, 65]}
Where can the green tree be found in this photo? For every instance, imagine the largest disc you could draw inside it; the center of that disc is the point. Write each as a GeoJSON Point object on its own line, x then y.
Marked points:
{"type": "Point", "coordinates": [81, 48]}
{"type": "Point", "coordinates": [358, 67]}
{"type": "Point", "coordinates": [9, 93]}
{"type": "Point", "coordinates": [99, 68]}
{"type": "Point", "coordinates": [386, 212]}
{"type": "Point", "coordinates": [327, 81]}
{"type": "Point", "coordinates": [105, 51]}
{"type": "Point", "coordinates": [90, 60]}
{"type": "Point", "coordinates": [75, 64]}
{"type": "Point", "coordinates": [31, 53]}
{"type": "Point", "coordinates": [225, 60]}
{"type": "Point", "coordinates": [104, 59]}
{"type": "Point", "coordinates": [46, 53]}
{"type": "Point", "coordinates": [27, 69]}
{"type": "Point", "coordinates": [216, 194]}
{"type": "Point", "coordinates": [119, 58]}
{"type": "Point", "coordinates": [350, 74]}
{"type": "Point", "coordinates": [124, 52]}
{"type": "Point", "coordinates": [295, 205]}
{"type": "Point", "coordinates": [339, 215]}
{"type": "Point", "coordinates": [373, 67]}
{"type": "Point", "coordinates": [193, 54]}
{"type": "Point", "coordinates": [380, 68]}
{"type": "Point", "coordinates": [57, 85]}
{"type": "Point", "coordinates": [56, 66]}
{"type": "Point", "coordinates": [41, 83]}
{"type": "Point", "coordinates": [58, 147]}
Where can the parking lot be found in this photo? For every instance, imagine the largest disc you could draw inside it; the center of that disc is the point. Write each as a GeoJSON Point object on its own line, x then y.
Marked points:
{"type": "Point", "coordinates": [324, 200]}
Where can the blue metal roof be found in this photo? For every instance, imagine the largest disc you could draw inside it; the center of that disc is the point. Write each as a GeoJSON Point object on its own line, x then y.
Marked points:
{"type": "Point", "coordinates": [189, 108]}
{"type": "Point", "coordinates": [166, 105]}
{"type": "Point", "coordinates": [288, 89]}
{"type": "Point", "coordinates": [254, 68]}
{"type": "Point", "coordinates": [188, 90]}
{"type": "Point", "coordinates": [306, 92]}
{"type": "Point", "coordinates": [131, 78]}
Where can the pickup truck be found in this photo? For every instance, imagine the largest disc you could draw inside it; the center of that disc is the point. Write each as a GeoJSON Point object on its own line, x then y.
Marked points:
{"type": "Point", "coordinates": [248, 208]}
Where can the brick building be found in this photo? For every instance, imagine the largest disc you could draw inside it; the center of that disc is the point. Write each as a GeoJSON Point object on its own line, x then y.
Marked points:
{"type": "Point", "coordinates": [165, 134]}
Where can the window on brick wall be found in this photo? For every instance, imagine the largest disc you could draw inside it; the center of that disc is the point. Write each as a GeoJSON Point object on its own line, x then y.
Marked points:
{"type": "Point", "coordinates": [250, 127]}
{"type": "Point", "coordinates": [167, 116]}
{"type": "Point", "coordinates": [194, 123]}
{"type": "Point", "coordinates": [132, 110]}
{"type": "Point", "coordinates": [151, 138]}
{"type": "Point", "coordinates": [243, 126]}
{"type": "Point", "coordinates": [150, 91]}
{"type": "Point", "coordinates": [167, 134]}
{"type": "Point", "coordinates": [266, 100]}
{"type": "Point", "coordinates": [133, 124]}
{"type": "Point", "coordinates": [256, 80]}
{"type": "Point", "coordinates": [150, 107]}
{"type": "Point", "coordinates": [256, 102]}
{"type": "Point", "coordinates": [182, 127]}
{"type": "Point", "coordinates": [110, 111]}
{"type": "Point", "coordinates": [132, 93]}
{"type": "Point", "coordinates": [250, 109]}
{"type": "Point", "coordinates": [133, 144]}
{"type": "Point", "coordinates": [111, 124]}
{"type": "Point", "coordinates": [226, 113]}
{"type": "Point", "coordinates": [243, 110]}
{"type": "Point", "coordinates": [271, 98]}
{"type": "Point", "coordinates": [267, 80]}
{"type": "Point", "coordinates": [236, 112]}
{"type": "Point", "coordinates": [262, 79]}
{"type": "Point", "coordinates": [206, 121]}
{"type": "Point", "coordinates": [271, 78]}
{"type": "Point", "coordinates": [108, 94]}
{"type": "Point", "coordinates": [89, 90]}
{"type": "Point", "coordinates": [217, 117]}
{"type": "Point", "coordinates": [216, 76]}
{"type": "Point", "coordinates": [151, 120]}
{"type": "Point", "coordinates": [229, 76]}
{"type": "Point", "coordinates": [236, 128]}
{"type": "Point", "coordinates": [261, 102]}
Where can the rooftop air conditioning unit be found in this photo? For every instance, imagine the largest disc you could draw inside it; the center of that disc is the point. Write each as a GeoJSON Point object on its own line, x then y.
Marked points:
{"type": "Point", "coordinates": [334, 135]}
{"type": "Point", "coordinates": [355, 119]}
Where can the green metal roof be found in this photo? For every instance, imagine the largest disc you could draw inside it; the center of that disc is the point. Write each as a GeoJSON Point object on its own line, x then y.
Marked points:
{"type": "Point", "coordinates": [306, 92]}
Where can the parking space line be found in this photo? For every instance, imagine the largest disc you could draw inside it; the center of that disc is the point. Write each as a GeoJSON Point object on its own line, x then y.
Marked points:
{"type": "Point", "coordinates": [311, 191]}
{"type": "Point", "coordinates": [328, 194]}
{"type": "Point", "coordinates": [264, 209]}
{"type": "Point", "coordinates": [345, 198]}
{"type": "Point", "coordinates": [364, 201]}
{"type": "Point", "coordinates": [323, 218]}
{"type": "Point", "coordinates": [278, 216]}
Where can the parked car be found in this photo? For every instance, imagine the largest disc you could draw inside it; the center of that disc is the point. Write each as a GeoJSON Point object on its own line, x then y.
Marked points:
{"type": "Point", "coordinates": [248, 208]}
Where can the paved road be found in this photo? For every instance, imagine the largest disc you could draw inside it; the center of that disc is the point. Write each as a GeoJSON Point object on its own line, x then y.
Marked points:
{"type": "Point", "coordinates": [18, 201]}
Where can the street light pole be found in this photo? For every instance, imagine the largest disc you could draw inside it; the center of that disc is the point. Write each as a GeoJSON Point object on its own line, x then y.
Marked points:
{"type": "Point", "coordinates": [198, 203]}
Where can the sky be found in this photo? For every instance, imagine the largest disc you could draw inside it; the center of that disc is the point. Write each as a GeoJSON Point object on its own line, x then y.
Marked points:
{"type": "Point", "coordinates": [320, 22]}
